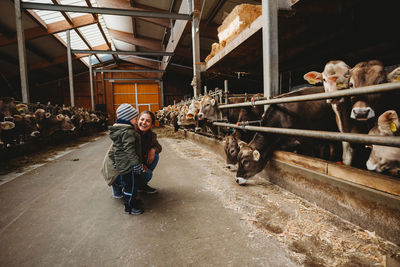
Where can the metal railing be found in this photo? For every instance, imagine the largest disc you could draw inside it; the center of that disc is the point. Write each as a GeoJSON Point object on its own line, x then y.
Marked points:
{"type": "Point", "coordinates": [335, 136]}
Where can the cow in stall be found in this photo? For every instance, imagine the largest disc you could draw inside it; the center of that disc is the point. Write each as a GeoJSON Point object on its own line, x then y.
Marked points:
{"type": "Point", "coordinates": [309, 115]}
{"type": "Point", "coordinates": [356, 114]}
{"type": "Point", "coordinates": [48, 124]}
{"type": "Point", "coordinates": [209, 111]}
{"type": "Point", "coordinates": [385, 159]}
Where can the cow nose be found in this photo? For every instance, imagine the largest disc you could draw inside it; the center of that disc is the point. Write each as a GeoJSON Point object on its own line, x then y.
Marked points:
{"type": "Point", "coordinates": [35, 133]}
{"type": "Point", "coordinates": [362, 113]}
{"type": "Point", "coordinates": [240, 181]}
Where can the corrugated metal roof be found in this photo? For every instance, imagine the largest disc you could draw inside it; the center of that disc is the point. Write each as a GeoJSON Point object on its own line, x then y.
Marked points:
{"type": "Point", "coordinates": [91, 32]}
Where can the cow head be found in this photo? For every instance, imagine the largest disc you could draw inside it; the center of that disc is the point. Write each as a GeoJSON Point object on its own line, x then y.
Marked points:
{"type": "Point", "coordinates": [7, 108]}
{"type": "Point", "coordinates": [384, 159]}
{"type": "Point", "coordinates": [232, 148]}
{"type": "Point", "coordinates": [193, 110]}
{"type": "Point", "coordinates": [365, 107]}
{"type": "Point", "coordinates": [250, 162]}
{"type": "Point", "coordinates": [208, 108]}
{"type": "Point", "coordinates": [66, 123]}
{"type": "Point", "coordinates": [336, 76]}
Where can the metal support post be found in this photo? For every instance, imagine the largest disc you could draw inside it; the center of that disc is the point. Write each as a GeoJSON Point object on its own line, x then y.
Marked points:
{"type": "Point", "coordinates": [226, 91]}
{"type": "Point", "coordinates": [205, 89]}
{"type": "Point", "coordinates": [196, 82]}
{"type": "Point", "coordinates": [91, 82]}
{"type": "Point", "coordinates": [270, 47]}
{"type": "Point", "coordinates": [21, 52]}
{"type": "Point", "coordinates": [70, 74]}
{"type": "Point", "coordinates": [136, 96]}
{"type": "Point", "coordinates": [162, 92]}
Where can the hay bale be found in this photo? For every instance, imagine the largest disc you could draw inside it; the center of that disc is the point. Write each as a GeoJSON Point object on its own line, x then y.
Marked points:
{"type": "Point", "coordinates": [239, 18]}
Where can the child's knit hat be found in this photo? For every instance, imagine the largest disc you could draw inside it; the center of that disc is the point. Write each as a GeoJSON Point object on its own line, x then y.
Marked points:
{"type": "Point", "coordinates": [126, 112]}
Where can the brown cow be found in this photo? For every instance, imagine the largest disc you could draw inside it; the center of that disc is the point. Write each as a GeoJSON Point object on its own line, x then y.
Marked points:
{"type": "Point", "coordinates": [384, 159]}
{"type": "Point", "coordinates": [356, 114]}
{"type": "Point", "coordinates": [311, 115]}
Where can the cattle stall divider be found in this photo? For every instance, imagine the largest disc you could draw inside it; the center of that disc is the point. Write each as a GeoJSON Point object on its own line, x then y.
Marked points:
{"type": "Point", "coordinates": [335, 136]}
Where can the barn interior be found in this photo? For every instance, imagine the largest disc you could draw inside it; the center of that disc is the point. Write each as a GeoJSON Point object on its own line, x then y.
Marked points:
{"type": "Point", "coordinates": [310, 34]}
{"type": "Point", "coordinates": [98, 54]}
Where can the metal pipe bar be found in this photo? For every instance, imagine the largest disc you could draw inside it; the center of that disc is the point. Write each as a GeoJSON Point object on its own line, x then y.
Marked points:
{"type": "Point", "coordinates": [104, 10]}
{"type": "Point", "coordinates": [132, 79]}
{"type": "Point", "coordinates": [150, 71]}
{"type": "Point", "coordinates": [335, 136]}
{"type": "Point", "coordinates": [379, 88]}
{"type": "Point", "coordinates": [134, 93]}
{"type": "Point", "coordinates": [133, 53]}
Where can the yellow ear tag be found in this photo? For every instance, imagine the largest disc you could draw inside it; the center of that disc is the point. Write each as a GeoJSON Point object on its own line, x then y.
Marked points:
{"type": "Point", "coordinates": [340, 85]}
{"type": "Point", "coordinates": [398, 78]}
{"type": "Point", "coordinates": [393, 127]}
{"type": "Point", "coordinates": [311, 81]}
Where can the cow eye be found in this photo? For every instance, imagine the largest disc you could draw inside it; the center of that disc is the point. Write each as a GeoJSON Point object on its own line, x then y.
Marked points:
{"type": "Point", "coordinates": [351, 85]}
{"type": "Point", "coordinates": [323, 79]}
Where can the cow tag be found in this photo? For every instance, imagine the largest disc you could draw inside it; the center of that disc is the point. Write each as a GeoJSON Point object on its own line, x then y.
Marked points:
{"type": "Point", "coordinates": [256, 155]}
{"type": "Point", "coordinates": [393, 127]}
{"type": "Point", "coordinates": [340, 85]}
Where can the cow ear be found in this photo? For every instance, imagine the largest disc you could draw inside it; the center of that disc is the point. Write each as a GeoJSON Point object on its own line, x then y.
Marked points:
{"type": "Point", "coordinates": [313, 77]}
{"type": "Point", "coordinates": [17, 117]}
{"type": "Point", "coordinates": [256, 155]}
{"type": "Point", "coordinates": [212, 102]}
{"type": "Point", "coordinates": [394, 76]}
{"type": "Point", "coordinates": [60, 117]}
{"type": "Point", "coordinates": [241, 144]}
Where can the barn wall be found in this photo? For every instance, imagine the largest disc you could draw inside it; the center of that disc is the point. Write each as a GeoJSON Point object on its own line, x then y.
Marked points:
{"type": "Point", "coordinates": [177, 87]}
{"type": "Point", "coordinates": [57, 92]}
{"type": "Point", "coordinates": [111, 93]}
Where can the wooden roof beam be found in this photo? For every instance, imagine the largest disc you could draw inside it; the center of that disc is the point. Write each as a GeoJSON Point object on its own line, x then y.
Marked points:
{"type": "Point", "coordinates": [123, 4]}
{"type": "Point", "coordinates": [52, 28]}
{"type": "Point", "coordinates": [150, 43]}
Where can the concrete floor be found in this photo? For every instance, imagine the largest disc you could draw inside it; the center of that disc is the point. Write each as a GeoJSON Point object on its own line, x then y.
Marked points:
{"type": "Point", "coordinates": [62, 214]}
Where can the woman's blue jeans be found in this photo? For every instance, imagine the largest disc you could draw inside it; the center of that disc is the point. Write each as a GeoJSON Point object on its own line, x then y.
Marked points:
{"type": "Point", "coordinates": [151, 167]}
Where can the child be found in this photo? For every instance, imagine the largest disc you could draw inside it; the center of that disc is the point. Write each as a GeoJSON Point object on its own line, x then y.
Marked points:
{"type": "Point", "coordinates": [126, 150]}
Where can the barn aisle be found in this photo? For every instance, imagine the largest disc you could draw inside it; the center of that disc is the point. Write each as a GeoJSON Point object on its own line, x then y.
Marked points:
{"type": "Point", "coordinates": [62, 214]}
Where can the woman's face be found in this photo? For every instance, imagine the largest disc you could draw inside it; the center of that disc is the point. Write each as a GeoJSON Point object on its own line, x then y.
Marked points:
{"type": "Point", "coordinates": [144, 122]}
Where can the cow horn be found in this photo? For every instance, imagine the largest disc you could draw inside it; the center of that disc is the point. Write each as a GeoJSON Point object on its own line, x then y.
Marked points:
{"type": "Point", "coordinates": [256, 155]}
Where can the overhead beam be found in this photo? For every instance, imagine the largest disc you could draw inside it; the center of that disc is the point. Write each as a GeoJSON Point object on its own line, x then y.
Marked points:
{"type": "Point", "coordinates": [106, 11]}
{"type": "Point", "coordinates": [176, 34]}
{"type": "Point", "coordinates": [132, 79]}
{"type": "Point", "coordinates": [133, 71]}
{"type": "Point", "coordinates": [123, 4]}
{"type": "Point", "coordinates": [141, 62]}
{"type": "Point", "coordinates": [150, 43]}
{"type": "Point", "coordinates": [52, 28]}
{"type": "Point", "coordinates": [131, 53]}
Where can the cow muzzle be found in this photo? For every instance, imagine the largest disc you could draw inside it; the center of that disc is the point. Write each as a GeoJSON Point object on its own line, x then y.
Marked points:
{"type": "Point", "coordinates": [241, 181]}
{"type": "Point", "coordinates": [361, 114]}
{"type": "Point", "coordinates": [231, 167]}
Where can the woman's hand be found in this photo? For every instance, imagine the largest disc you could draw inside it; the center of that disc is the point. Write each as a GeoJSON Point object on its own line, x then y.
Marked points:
{"type": "Point", "coordinates": [151, 155]}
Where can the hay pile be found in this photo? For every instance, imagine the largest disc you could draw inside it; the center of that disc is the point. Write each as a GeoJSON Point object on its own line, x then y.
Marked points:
{"type": "Point", "coordinates": [240, 18]}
